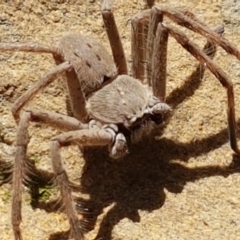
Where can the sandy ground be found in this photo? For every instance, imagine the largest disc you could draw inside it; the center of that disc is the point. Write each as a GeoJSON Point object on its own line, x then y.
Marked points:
{"type": "Point", "coordinates": [185, 185]}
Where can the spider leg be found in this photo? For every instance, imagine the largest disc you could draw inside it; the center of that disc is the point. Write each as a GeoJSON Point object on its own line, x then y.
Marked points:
{"type": "Point", "coordinates": [113, 36]}
{"type": "Point", "coordinates": [159, 63]}
{"type": "Point", "coordinates": [22, 141]}
{"type": "Point", "coordinates": [191, 22]}
{"type": "Point", "coordinates": [139, 24]}
{"type": "Point", "coordinates": [143, 32]}
{"type": "Point", "coordinates": [150, 3]}
{"type": "Point", "coordinates": [157, 52]}
{"type": "Point", "coordinates": [53, 119]}
{"type": "Point", "coordinates": [90, 137]}
{"type": "Point", "coordinates": [40, 84]}
{"type": "Point", "coordinates": [219, 74]}
{"type": "Point", "coordinates": [57, 120]}
{"type": "Point", "coordinates": [28, 47]}
{"type": "Point", "coordinates": [77, 100]}
{"type": "Point", "coordinates": [155, 18]}
{"type": "Point", "coordinates": [21, 172]}
{"type": "Point", "coordinates": [159, 59]}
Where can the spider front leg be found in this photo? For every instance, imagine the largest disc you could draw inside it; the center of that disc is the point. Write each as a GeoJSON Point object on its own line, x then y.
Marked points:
{"type": "Point", "coordinates": [219, 74]}
{"type": "Point", "coordinates": [88, 137]}
{"type": "Point", "coordinates": [188, 20]}
{"type": "Point", "coordinates": [159, 59]}
{"type": "Point", "coordinates": [157, 52]}
{"type": "Point", "coordinates": [139, 24]}
{"type": "Point", "coordinates": [39, 85]}
{"type": "Point", "coordinates": [21, 172]}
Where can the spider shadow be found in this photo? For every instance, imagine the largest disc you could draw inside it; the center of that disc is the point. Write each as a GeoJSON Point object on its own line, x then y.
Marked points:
{"type": "Point", "coordinates": [137, 181]}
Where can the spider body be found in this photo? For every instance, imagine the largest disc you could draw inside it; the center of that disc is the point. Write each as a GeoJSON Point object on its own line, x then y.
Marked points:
{"type": "Point", "coordinates": [109, 107]}
{"type": "Point", "coordinates": [128, 104]}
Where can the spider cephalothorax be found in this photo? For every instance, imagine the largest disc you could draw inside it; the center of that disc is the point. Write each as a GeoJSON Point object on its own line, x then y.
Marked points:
{"type": "Point", "coordinates": [128, 108]}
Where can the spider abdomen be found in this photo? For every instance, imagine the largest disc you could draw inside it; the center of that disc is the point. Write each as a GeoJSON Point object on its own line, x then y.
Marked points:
{"type": "Point", "coordinates": [90, 59]}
